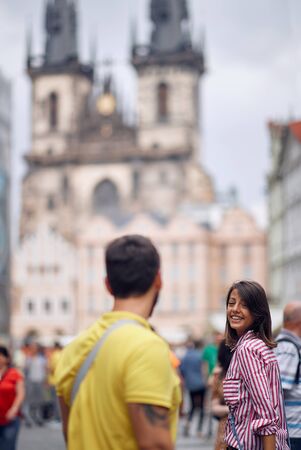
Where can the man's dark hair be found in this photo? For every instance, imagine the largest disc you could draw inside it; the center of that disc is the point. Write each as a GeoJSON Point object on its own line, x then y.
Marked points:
{"type": "Point", "coordinates": [132, 263]}
{"type": "Point", "coordinates": [256, 301]}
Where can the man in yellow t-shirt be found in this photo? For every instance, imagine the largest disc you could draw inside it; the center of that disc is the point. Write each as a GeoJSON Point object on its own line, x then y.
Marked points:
{"type": "Point", "coordinates": [129, 398]}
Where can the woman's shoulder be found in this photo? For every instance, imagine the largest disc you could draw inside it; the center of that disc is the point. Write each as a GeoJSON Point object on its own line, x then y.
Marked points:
{"type": "Point", "coordinates": [258, 348]}
{"type": "Point", "coordinates": [15, 374]}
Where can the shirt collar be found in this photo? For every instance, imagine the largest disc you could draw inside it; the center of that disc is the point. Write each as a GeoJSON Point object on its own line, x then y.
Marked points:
{"type": "Point", "coordinates": [114, 316]}
{"type": "Point", "coordinates": [245, 337]}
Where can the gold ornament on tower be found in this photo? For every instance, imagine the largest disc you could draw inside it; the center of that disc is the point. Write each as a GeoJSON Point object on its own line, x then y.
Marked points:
{"type": "Point", "coordinates": [106, 104]}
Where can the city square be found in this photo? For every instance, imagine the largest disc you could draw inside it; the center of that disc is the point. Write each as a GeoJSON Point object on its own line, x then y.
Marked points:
{"type": "Point", "coordinates": [150, 217]}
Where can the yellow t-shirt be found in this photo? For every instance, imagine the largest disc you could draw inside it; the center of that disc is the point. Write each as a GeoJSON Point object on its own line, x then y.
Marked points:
{"type": "Point", "coordinates": [133, 366]}
{"type": "Point", "coordinates": [52, 364]}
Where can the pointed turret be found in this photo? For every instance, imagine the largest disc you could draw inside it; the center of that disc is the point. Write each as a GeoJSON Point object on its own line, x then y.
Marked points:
{"type": "Point", "coordinates": [133, 36]}
{"type": "Point", "coordinates": [168, 17]}
{"type": "Point", "coordinates": [28, 47]}
{"type": "Point", "coordinates": [170, 41]}
{"type": "Point", "coordinates": [61, 49]}
{"type": "Point", "coordinates": [61, 29]}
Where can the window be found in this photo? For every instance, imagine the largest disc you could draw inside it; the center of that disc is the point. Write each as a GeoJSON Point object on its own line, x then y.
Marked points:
{"type": "Point", "coordinates": [136, 183]}
{"type": "Point", "coordinates": [247, 251]}
{"type": "Point", "coordinates": [223, 252]}
{"type": "Point", "coordinates": [223, 274]}
{"type": "Point", "coordinates": [30, 306]}
{"type": "Point", "coordinates": [175, 302]}
{"type": "Point", "coordinates": [192, 303]}
{"type": "Point", "coordinates": [247, 271]}
{"type": "Point", "coordinates": [53, 110]}
{"type": "Point", "coordinates": [105, 198]}
{"type": "Point", "coordinates": [65, 188]}
{"type": "Point", "coordinates": [163, 102]}
{"type": "Point", "coordinates": [50, 203]}
{"type": "Point", "coordinates": [191, 272]}
{"type": "Point", "coordinates": [65, 306]}
{"type": "Point", "coordinates": [47, 306]}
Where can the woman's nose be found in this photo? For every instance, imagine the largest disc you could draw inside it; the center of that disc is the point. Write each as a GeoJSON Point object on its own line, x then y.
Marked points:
{"type": "Point", "coordinates": [236, 307]}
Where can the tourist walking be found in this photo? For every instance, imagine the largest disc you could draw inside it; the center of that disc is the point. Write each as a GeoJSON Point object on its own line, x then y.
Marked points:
{"type": "Point", "coordinates": [252, 387]}
{"type": "Point", "coordinates": [36, 376]}
{"type": "Point", "coordinates": [11, 398]}
{"type": "Point", "coordinates": [191, 369]}
{"type": "Point", "coordinates": [129, 395]}
{"type": "Point", "coordinates": [288, 353]}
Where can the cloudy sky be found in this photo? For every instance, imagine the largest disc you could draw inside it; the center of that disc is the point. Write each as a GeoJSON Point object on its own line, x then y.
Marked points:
{"type": "Point", "coordinates": [253, 53]}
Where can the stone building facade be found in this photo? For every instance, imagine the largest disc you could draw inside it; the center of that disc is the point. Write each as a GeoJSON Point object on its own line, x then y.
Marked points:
{"type": "Point", "coordinates": [5, 172]}
{"type": "Point", "coordinates": [284, 247]}
{"type": "Point", "coordinates": [92, 176]}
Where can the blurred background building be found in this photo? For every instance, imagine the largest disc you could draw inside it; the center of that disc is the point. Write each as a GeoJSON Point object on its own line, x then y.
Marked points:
{"type": "Point", "coordinates": [92, 176]}
{"type": "Point", "coordinates": [5, 155]}
{"type": "Point", "coordinates": [285, 212]}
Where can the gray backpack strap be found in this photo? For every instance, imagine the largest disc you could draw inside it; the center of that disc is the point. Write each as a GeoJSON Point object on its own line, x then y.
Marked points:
{"type": "Point", "coordinates": [93, 353]}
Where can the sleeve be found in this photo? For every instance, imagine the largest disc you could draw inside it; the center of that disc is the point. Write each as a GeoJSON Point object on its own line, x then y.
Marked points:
{"type": "Point", "coordinates": [254, 376]}
{"type": "Point", "coordinates": [288, 360]}
{"type": "Point", "coordinates": [17, 375]}
{"type": "Point", "coordinates": [149, 376]}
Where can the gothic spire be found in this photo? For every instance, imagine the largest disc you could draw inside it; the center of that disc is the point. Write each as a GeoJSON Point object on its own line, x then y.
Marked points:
{"type": "Point", "coordinates": [28, 47]}
{"type": "Point", "coordinates": [168, 34]}
{"type": "Point", "coordinates": [61, 30]}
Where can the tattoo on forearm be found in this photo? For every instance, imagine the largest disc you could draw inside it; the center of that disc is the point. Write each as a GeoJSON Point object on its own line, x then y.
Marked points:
{"type": "Point", "coordinates": [156, 417]}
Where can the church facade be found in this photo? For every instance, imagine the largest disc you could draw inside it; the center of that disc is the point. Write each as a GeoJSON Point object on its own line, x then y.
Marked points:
{"type": "Point", "coordinates": [93, 176]}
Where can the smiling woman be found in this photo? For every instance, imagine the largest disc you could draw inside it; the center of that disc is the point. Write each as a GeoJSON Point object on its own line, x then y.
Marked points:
{"type": "Point", "coordinates": [252, 388]}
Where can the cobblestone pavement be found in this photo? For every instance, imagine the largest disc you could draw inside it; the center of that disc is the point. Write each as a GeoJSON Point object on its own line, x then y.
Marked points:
{"type": "Point", "coordinates": [49, 438]}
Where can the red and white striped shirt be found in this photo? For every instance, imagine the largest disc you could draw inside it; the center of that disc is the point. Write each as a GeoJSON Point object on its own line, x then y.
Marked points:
{"type": "Point", "coordinates": [252, 390]}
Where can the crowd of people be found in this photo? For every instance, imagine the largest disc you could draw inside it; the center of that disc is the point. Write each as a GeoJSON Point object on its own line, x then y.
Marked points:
{"type": "Point", "coordinates": [27, 390]}
{"type": "Point", "coordinates": [120, 386]}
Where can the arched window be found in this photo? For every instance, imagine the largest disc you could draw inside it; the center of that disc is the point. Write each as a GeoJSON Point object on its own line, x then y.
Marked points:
{"type": "Point", "coordinates": [136, 183]}
{"type": "Point", "coordinates": [65, 188]}
{"type": "Point", "coordinates": [53, 110]}
{"type": "Point", "coordinates": [163, 102]}
{"type": "Point", "coordinates": [105, 198]}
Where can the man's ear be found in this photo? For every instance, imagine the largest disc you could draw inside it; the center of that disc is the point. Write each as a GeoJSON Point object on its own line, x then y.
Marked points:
{"type": "Point", "coordinates": [108, 286]}
{"type": "Point", "coordinates": [158, 281]}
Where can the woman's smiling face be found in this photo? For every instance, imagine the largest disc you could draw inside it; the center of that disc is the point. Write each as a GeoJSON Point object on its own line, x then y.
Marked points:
{"type": "Point", "coordinates": [239, 316]}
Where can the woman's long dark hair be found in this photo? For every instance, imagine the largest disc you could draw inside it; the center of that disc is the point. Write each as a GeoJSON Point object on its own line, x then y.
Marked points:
{"type": "Point", "coordinates": [256, 301]}
{"type": "Point", "coordinates": [4, 352]}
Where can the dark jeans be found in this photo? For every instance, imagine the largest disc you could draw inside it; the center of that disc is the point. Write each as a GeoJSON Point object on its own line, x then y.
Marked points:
{"type": "Point", "coordinates": [295, 443]}
{"type": "Point", "coordinates": [197, 401]}
{"type": "Point", "coordinates": [9, 435]}
{"type": "Point", "coordinates": [231, 448]}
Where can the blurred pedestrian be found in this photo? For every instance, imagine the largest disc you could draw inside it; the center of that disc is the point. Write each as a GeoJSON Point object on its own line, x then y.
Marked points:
{"type": "Point", "coordinates": [11, 398]}
{"type": "Point", "coordinates": [210, 352]}
{"type": "Point", "coordinates": [218, 407]}
{"type": "Point", "coordinates": [252, 387]}
{"type": "Point", "coordinates": [210, 358]}
{"type": "Point", "coordinates": [194, 381]}
{"type": "Point", "coordinates": [129, 396]}
{"type": "Point", "coordinates": [36, 374]}
{"type": "Point", "coordinates": [288, 353]}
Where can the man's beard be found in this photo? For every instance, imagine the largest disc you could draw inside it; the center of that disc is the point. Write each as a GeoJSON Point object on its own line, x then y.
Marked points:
{"type": "Point", "coordinates": [155, 301]}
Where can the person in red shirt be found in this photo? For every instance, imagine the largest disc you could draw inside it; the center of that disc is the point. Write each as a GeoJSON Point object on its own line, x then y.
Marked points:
{"type": "Point", "coordinates": [11, 398]}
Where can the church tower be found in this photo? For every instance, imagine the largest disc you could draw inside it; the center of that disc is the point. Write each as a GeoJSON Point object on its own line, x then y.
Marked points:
{"type": "Point", "coordinates": [169, 71]}
{"type": "Point", "coordinates": [60, 87]}
{"type": "Point", "coordinates": [60, 84]}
